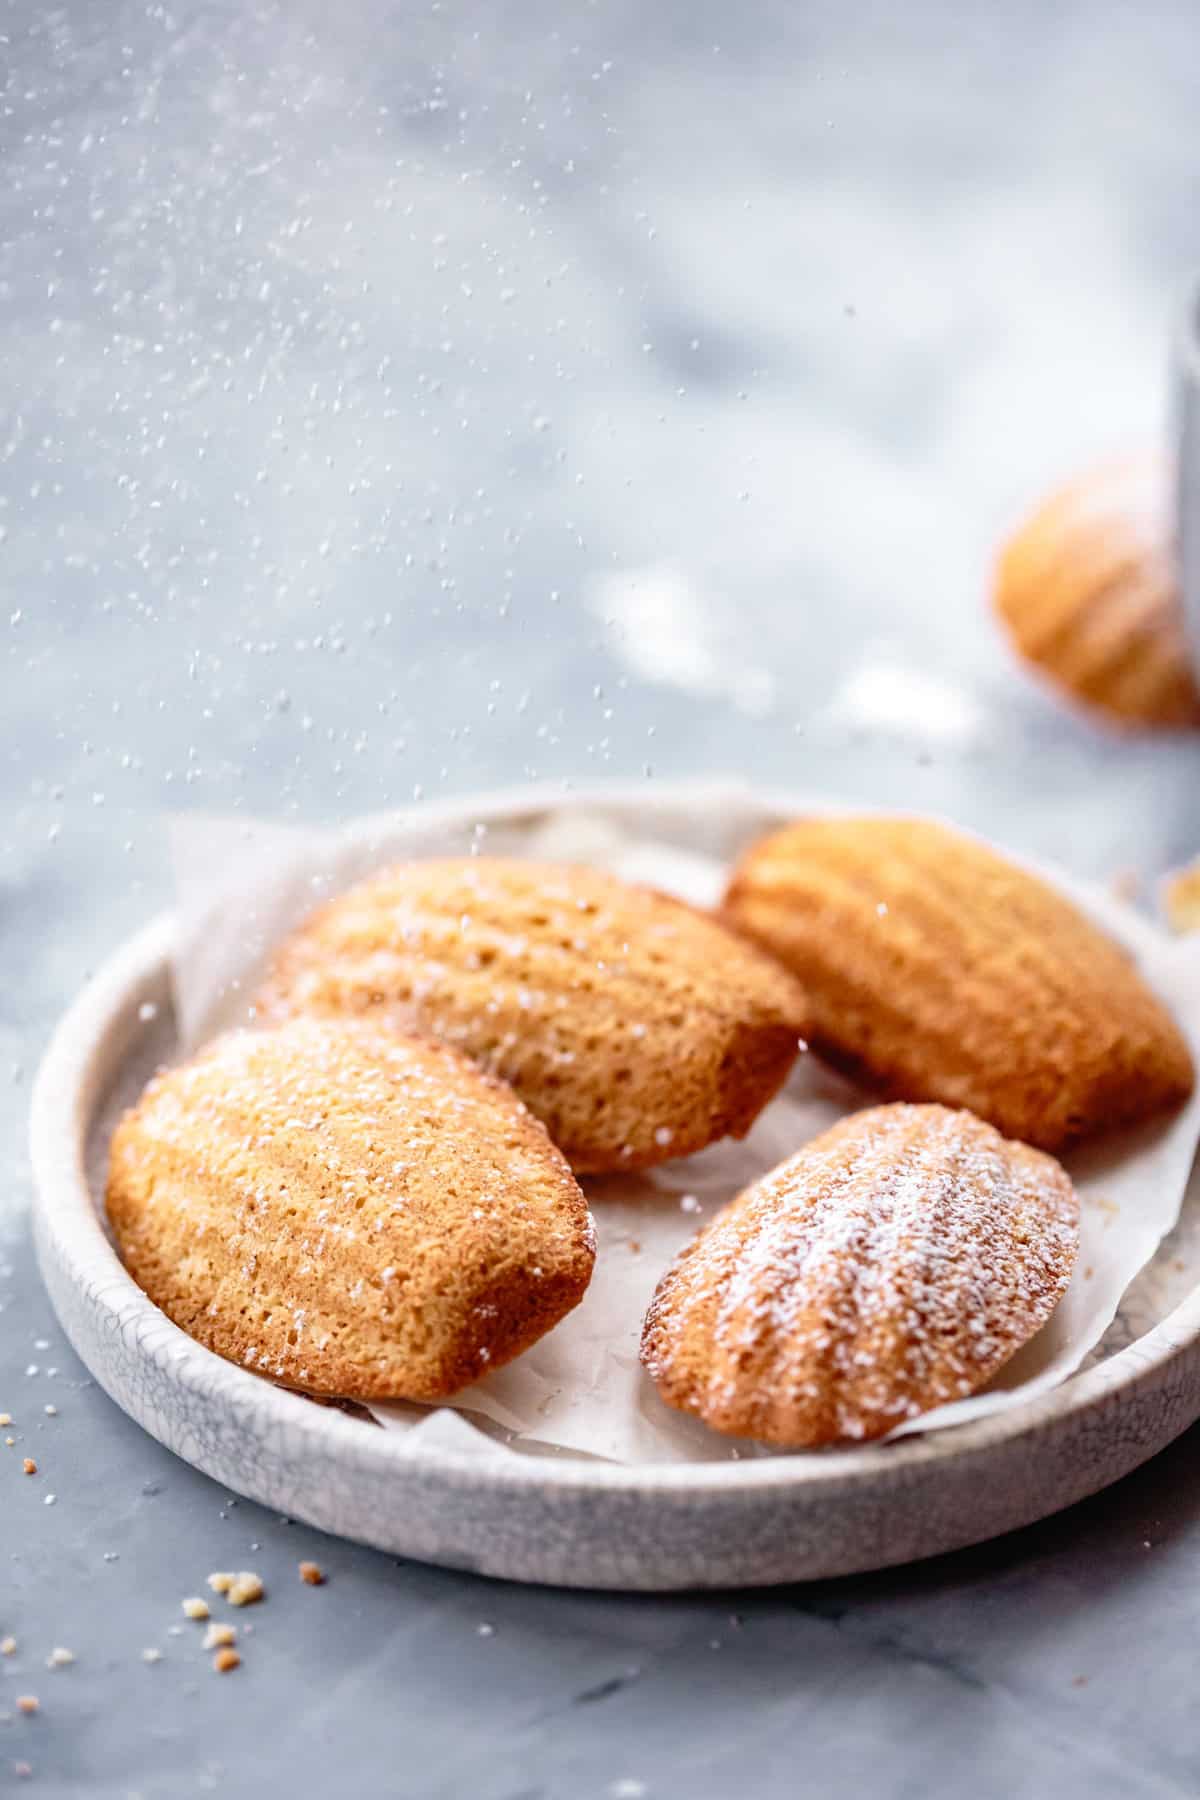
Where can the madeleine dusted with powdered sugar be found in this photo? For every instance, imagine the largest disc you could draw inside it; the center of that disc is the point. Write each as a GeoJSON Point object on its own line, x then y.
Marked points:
{"type": "Point", "coordinates": [934, 969]}
{"type": "Point", "coordinates": [637, 1028]}
{"type": "Point", "coordinates": [893, 1264]}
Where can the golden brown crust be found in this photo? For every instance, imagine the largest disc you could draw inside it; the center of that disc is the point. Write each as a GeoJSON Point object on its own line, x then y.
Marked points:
{"type": "Point", "coordinates": [1088, 591]}
{"type": "Point", "coordinates": [348, 1211]}
{"type": "Point", "coordinates": [936, 970]}
{"type": "Point", "coordinates": [635, 1027]}
{"type": "Point", "coordinates": [895, 1263]}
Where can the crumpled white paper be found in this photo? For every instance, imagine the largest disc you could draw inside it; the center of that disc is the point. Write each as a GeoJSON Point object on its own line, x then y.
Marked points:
{"type": "Point", "coordinates": [581, 1391]}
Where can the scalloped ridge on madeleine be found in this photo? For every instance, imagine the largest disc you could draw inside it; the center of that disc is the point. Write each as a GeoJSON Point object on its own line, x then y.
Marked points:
{"type": "Point", "coordinates": [635, 1027]}
{"type": "Point", "coordinates": [936, 970]}
{"type": "Point", "coordinates": [894, 1263]}
{"type": "Point", "coordinates": [347, 1211]}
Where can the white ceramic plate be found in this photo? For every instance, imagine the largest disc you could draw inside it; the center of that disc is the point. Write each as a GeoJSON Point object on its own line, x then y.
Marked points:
{"type": "Point", "coordinates": [570, 1520]}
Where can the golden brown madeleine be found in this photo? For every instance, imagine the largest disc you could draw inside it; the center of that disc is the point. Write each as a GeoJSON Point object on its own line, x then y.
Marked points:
{"type": "Point", "coordinates": [348, 1211]}
{"type": "Point", "coordinates": [635, 1027]}
{"type": "Point", "coordinates": [936, 970]}
{"type": "Point", "coordinates": [896, 1262]}
{"type": "Point", "coordinates": [1088, 591]}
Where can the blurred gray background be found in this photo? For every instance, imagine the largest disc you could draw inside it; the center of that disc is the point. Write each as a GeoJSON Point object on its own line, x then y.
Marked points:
{"type": "Point", "coordinates": [403, 399]}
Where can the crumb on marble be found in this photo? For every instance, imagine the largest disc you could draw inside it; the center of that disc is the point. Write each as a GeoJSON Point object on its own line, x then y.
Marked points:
{"type": "Point", "coordinates": [312, 1574]}
{"type": "Point", "coordinates": [60, 1658]}
{"type": "Point", "coordinates": [27, 1703]}
{"type": "Point", "coordinates": [29, 1466]}
{"type": "Point", "coordinates": [218, 1637]}
{"type": "Point", "coordinates": [195, 1607]}
{"type": "Point", "coordinates": [242, 1589]}
{"type": "Point", "coordinates": [1125, 884]}
{"type": "Point", "coordinates": [152, 1654]}
{"type": "Point", "coordinates": [225, 1660]}
{"type": "Point", "coordinates": [246, 1589]}
{"type": "Point", "coordinates": [8, 1646]}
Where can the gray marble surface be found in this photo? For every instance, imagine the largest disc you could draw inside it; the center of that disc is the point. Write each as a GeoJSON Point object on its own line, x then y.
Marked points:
{"type": "Point", "coordinates": [400, 400]}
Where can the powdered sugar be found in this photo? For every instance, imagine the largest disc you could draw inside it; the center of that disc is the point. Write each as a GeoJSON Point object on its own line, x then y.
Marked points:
{"type": "Point", "coordinates": [893, 1264]}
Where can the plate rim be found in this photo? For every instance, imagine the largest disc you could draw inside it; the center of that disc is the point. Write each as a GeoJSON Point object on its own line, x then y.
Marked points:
{"type": "Point", "coordinates": [66, 1219]}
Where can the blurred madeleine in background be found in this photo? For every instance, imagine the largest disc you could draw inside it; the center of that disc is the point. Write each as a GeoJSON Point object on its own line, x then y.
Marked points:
{"type": "Point", "coordinates": [1088, 589]}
